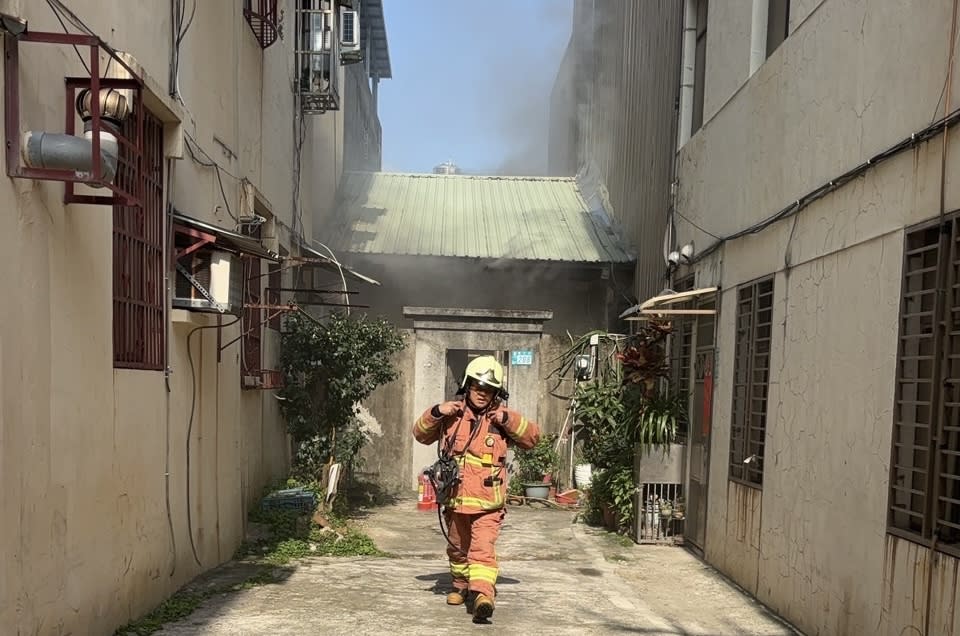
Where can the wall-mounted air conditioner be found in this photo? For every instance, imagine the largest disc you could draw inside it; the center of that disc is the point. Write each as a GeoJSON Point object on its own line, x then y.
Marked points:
{"type": "Point", "coordinates": [350, 36]}
{"type": "Point", "coordinates": [211, 281]}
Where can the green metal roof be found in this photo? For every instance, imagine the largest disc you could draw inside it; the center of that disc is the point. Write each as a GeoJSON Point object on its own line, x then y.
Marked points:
{"type": "Point", "coordinates": [529, 218]}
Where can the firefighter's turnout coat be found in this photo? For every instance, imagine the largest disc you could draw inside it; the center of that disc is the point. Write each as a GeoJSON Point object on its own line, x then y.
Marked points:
{"type": "Point", "coordinates": [480, 448]}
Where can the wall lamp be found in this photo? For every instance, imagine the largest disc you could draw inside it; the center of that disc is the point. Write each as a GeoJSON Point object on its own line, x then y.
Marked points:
{"type": "Point", "coordinates": [683, 256]}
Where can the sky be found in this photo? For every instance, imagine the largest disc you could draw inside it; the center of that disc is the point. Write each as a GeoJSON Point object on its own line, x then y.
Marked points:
{"type": "Point", "coordinates": [471, 83]}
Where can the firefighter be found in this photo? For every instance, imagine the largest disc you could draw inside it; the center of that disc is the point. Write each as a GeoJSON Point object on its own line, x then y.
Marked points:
{"type": "Point", "coordinates": [475, 430]}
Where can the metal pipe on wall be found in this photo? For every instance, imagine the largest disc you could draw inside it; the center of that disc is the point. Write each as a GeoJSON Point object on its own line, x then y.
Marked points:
{"type": "Point", "coordinates": [687, 74]}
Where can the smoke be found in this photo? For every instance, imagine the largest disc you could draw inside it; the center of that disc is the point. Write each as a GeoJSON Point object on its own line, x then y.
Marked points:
{"type": "Point", "coordinates": [471, 83]}
{"type": "Point", "coordinates": [521, 77]}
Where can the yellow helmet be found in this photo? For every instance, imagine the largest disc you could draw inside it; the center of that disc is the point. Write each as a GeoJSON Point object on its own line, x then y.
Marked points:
{"type": "Point", "coordinates": [484, 370]}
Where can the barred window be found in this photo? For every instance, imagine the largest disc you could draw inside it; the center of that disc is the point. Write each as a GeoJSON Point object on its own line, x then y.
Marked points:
{"type": "Point", "coordinates": [138, 329]}
{"type": "Point", "coordinates": [681, 357]}
{"type": "Point", "coordinates": [751, 380]}
{"type": "Point", "coordinates": [925, 455]}
{"type": "Point", "coordinates": [252, 317]}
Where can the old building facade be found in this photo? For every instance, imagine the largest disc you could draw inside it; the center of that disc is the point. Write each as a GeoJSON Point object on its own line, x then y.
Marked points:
{"type": "Point", "coordinates": [817, 184]}
{"type": "Point", "coordinates": [136, 432]}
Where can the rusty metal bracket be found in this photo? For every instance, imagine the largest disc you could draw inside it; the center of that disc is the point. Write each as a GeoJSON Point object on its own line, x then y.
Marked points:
{"type": "Point", "coordinates": [12, 123]}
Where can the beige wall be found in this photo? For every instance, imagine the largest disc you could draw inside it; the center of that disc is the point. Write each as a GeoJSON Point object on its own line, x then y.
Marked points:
{"type": "Point", "coordinates": [84, 447]}
{"type": "Point", "coordinates": [812, 543]}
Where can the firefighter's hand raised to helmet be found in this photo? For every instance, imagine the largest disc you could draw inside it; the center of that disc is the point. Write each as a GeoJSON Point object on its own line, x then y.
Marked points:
{"type": "Point", "coordinates": [450, 408]}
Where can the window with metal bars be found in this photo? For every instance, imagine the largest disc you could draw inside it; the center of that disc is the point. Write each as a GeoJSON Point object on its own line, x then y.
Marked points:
{"type": "Point", "coordinates": [924, 498]}
{"type": "Point", "coordinates": [252, 317]}
{"type": "Point", "coordinates": [681, 356]}
{"type": "Point", "coordinates": [751, 380]}
{"type": "Point", "coordinates": [265, 20]}
{"type": "Point", "coordinates": [138, 327]}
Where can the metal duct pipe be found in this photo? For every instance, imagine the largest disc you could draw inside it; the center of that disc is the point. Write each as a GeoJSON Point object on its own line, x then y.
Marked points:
{"type": "Point", "coordinates": [60, 151]}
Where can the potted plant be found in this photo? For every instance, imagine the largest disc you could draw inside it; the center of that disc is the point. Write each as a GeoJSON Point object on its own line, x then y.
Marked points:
{"type": "Point", "coordinates": [535, 467]}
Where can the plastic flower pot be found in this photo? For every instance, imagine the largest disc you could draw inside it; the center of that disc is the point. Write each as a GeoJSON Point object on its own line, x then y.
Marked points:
{"type": "Point", "coordinates": [536, 491]}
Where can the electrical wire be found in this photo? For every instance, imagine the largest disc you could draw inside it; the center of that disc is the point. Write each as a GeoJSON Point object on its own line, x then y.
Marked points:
{"type": "Point", "coordinates": [193, 404]}
{"type": "Point", "coordinates": [694, 224]}
{"type": "Point", "coordinates": [56, 13]}
{"type": "Point", "coordinates": [948, 79]}
{"type": "Point", "coordinates": [177, 34]}
{"type": "Point", "coordinates": [937, 128]}
{"type": "Point", "coordinates": [210, 163]}
{"type": "Point", "coordinates": [297, 168]}
{"type": "Point", "coordinates": [166, 371]}
{"type": "Point", "coordinates": [333, 259]}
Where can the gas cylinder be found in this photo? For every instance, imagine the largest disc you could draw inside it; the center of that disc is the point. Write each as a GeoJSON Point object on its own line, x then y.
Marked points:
{"type": "Point", "coordinates": [426, 496]}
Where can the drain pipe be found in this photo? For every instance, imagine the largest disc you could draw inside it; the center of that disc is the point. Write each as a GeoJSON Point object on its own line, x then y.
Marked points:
{"type": "Point", "coordinates": [688, 61]}
{"type": "Point", "coordinates": [59, 151]}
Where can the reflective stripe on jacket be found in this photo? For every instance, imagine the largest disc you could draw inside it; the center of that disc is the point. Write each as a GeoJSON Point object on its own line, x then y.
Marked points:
{"type": "Point", "coordinates": [483, 475]}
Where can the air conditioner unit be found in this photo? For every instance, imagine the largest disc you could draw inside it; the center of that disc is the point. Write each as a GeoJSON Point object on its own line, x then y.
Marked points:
{"type": "Point", "coordinates": [349, 36]}
{"type": "Point", "coordinates": [216, 285]}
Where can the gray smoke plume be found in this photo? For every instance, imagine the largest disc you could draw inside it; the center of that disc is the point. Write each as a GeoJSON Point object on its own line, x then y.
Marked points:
{"type": "Point", "coordinates": [522, 76]}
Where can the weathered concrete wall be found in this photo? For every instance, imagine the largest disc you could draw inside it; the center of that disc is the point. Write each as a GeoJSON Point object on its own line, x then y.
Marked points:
{"type": "Point", "coordinates": [91, 457]}
{"type": "Point", "coordinates": [552, 410]}
{"type": "Point", "coordinates": [812, 543]}
{"type": "Point", "coordinates": [389, 414]}
{"type": "Point", "coordinates": [728, 52]}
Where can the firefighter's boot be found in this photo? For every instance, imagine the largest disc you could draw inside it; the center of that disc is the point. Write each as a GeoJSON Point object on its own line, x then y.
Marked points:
{"type": "Point", "coordinates": [482, 607]}
{"type": "Point", "coordinates": [456, 597]}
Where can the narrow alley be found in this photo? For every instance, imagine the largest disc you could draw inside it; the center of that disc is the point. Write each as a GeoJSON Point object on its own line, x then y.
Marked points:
{"type": "Point", "coordinates": [674, 282]}
{"type": "Point", "coordinates": [557, 577]}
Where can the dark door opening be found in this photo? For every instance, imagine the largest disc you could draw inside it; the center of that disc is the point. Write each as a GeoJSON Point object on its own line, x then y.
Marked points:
{"type": "Point", "coordinates": [457, 361]}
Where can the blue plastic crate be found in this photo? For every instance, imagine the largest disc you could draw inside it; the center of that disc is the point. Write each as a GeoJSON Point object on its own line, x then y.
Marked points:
{"type": "Point", "coordinates": [291, 499]}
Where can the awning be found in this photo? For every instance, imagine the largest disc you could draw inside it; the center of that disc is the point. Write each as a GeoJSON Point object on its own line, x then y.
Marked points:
{"type": "Point", "coordinates": [662, 305]}
{"type": "Point", "coordinates": [325, 262]}
{"type": "Point", "coordinates": [225, 239]}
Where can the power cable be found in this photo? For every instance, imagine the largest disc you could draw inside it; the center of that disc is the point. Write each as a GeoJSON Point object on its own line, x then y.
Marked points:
{"type": "Point", "coordinates": [915, 139]}
{"type": "Point", "coordinates": [210, 163]}
{"type": "Point", "coordinates": [193, 404]}
{"type": "Point", "coordinates": [694, 224]}
{"type": "Point", "coordinates": [56, 13]}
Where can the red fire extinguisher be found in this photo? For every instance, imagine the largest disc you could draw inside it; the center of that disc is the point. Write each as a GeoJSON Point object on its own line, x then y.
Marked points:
{"type": "Point", "coordinates": [426, 495]}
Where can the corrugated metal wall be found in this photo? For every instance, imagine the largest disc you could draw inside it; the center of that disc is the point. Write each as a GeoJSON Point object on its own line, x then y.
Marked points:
{"type": "Point", "coordinates": [625, 87]}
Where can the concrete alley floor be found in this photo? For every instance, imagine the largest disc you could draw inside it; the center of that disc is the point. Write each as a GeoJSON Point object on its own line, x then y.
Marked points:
{"type": "Point", "coordinates": [557, 577]}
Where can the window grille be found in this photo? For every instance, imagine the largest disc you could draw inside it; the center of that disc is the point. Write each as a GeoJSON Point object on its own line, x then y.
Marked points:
{"type": "Point", "coordinates": [138, 328]}
{"type": "Point", "coordinates": [264, 20]}
{"type": "Point", "coordinates": [751, 381]}
{"type": "Point", "coordinates": [252, 317]}
{"type": "Point", "coordinates": [924, 497]}
{"type": "Point", "coordinates": [681, 357]}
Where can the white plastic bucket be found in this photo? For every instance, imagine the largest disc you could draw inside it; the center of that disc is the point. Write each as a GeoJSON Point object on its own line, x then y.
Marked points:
{"type": "Point", "coordinates": [582, 474]}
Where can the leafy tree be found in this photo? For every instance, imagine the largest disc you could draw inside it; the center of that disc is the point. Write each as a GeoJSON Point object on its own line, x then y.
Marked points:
{"type": "Point", "coordinates": [329, 368]}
